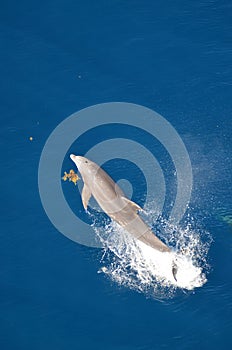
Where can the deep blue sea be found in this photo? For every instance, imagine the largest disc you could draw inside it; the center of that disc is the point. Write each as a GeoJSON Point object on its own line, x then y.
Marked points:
{"type": "Point", "coordinates": [58, 57]}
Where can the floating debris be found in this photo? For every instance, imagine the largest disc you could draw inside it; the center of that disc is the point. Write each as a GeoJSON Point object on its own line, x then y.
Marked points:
{"type": "Point", "coordinates": [71, 176]}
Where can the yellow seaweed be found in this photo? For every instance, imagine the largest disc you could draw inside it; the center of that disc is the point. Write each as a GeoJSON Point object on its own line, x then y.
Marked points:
{"type": "Point", "coordinates": [71, 176]}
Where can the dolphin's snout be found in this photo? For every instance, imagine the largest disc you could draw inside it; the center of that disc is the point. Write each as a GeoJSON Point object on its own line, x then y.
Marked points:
{"type": "Point", "coordinates": [76, 160]}
{"type": "Point", "coordinates": [72, 156]}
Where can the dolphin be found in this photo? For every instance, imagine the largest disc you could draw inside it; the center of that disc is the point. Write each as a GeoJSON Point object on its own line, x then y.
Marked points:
{"type": "Point", "coordinates": [115, 204]}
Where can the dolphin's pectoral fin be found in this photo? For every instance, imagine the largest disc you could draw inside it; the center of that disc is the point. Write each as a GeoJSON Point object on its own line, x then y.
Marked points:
{"type": "Point", "coordinates": [85, 196]}
{"type": "Point", "coordinates": [133, 204]}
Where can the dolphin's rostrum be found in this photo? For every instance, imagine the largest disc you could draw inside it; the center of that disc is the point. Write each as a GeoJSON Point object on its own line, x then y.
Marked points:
{"type": "Point", "coordinates": [113, 202]}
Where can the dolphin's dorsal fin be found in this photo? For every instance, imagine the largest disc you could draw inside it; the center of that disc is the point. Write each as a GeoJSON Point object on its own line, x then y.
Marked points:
{"type": "Point", "coordinates": [133, 204]}
{"type": "Point", "coordinates": [85, 196]}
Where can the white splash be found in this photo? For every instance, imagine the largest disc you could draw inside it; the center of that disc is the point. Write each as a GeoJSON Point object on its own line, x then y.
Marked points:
{"type": "Point", "coordinates": [134, 264]}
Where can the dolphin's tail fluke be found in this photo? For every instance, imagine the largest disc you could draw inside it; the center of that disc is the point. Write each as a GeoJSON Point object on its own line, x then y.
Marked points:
{"type": "Point", "coordinates": [174, 270]}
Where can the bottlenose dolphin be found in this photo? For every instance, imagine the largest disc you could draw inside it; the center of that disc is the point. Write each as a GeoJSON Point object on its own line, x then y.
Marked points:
{"type": "Point", "coordinates": [114, 203]}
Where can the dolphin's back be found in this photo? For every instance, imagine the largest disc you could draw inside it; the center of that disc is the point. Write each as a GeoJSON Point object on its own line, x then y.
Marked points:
{"type": "Point", "coordinates": [133, 223]}
{"type": "Point", "coordinates": [113, 201]}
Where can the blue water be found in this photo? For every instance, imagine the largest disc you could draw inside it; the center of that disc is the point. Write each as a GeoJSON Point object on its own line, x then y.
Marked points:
{"type": "Point", "coordinates": [58, 57]}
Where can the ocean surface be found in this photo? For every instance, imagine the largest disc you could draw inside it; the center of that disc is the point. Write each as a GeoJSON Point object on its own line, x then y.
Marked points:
{"type": "Point", "coordinates": [58, 57]}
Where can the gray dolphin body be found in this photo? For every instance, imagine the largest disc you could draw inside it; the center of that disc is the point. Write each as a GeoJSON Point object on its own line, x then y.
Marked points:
{"type": "Point", "coordinates": [113, 202]}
